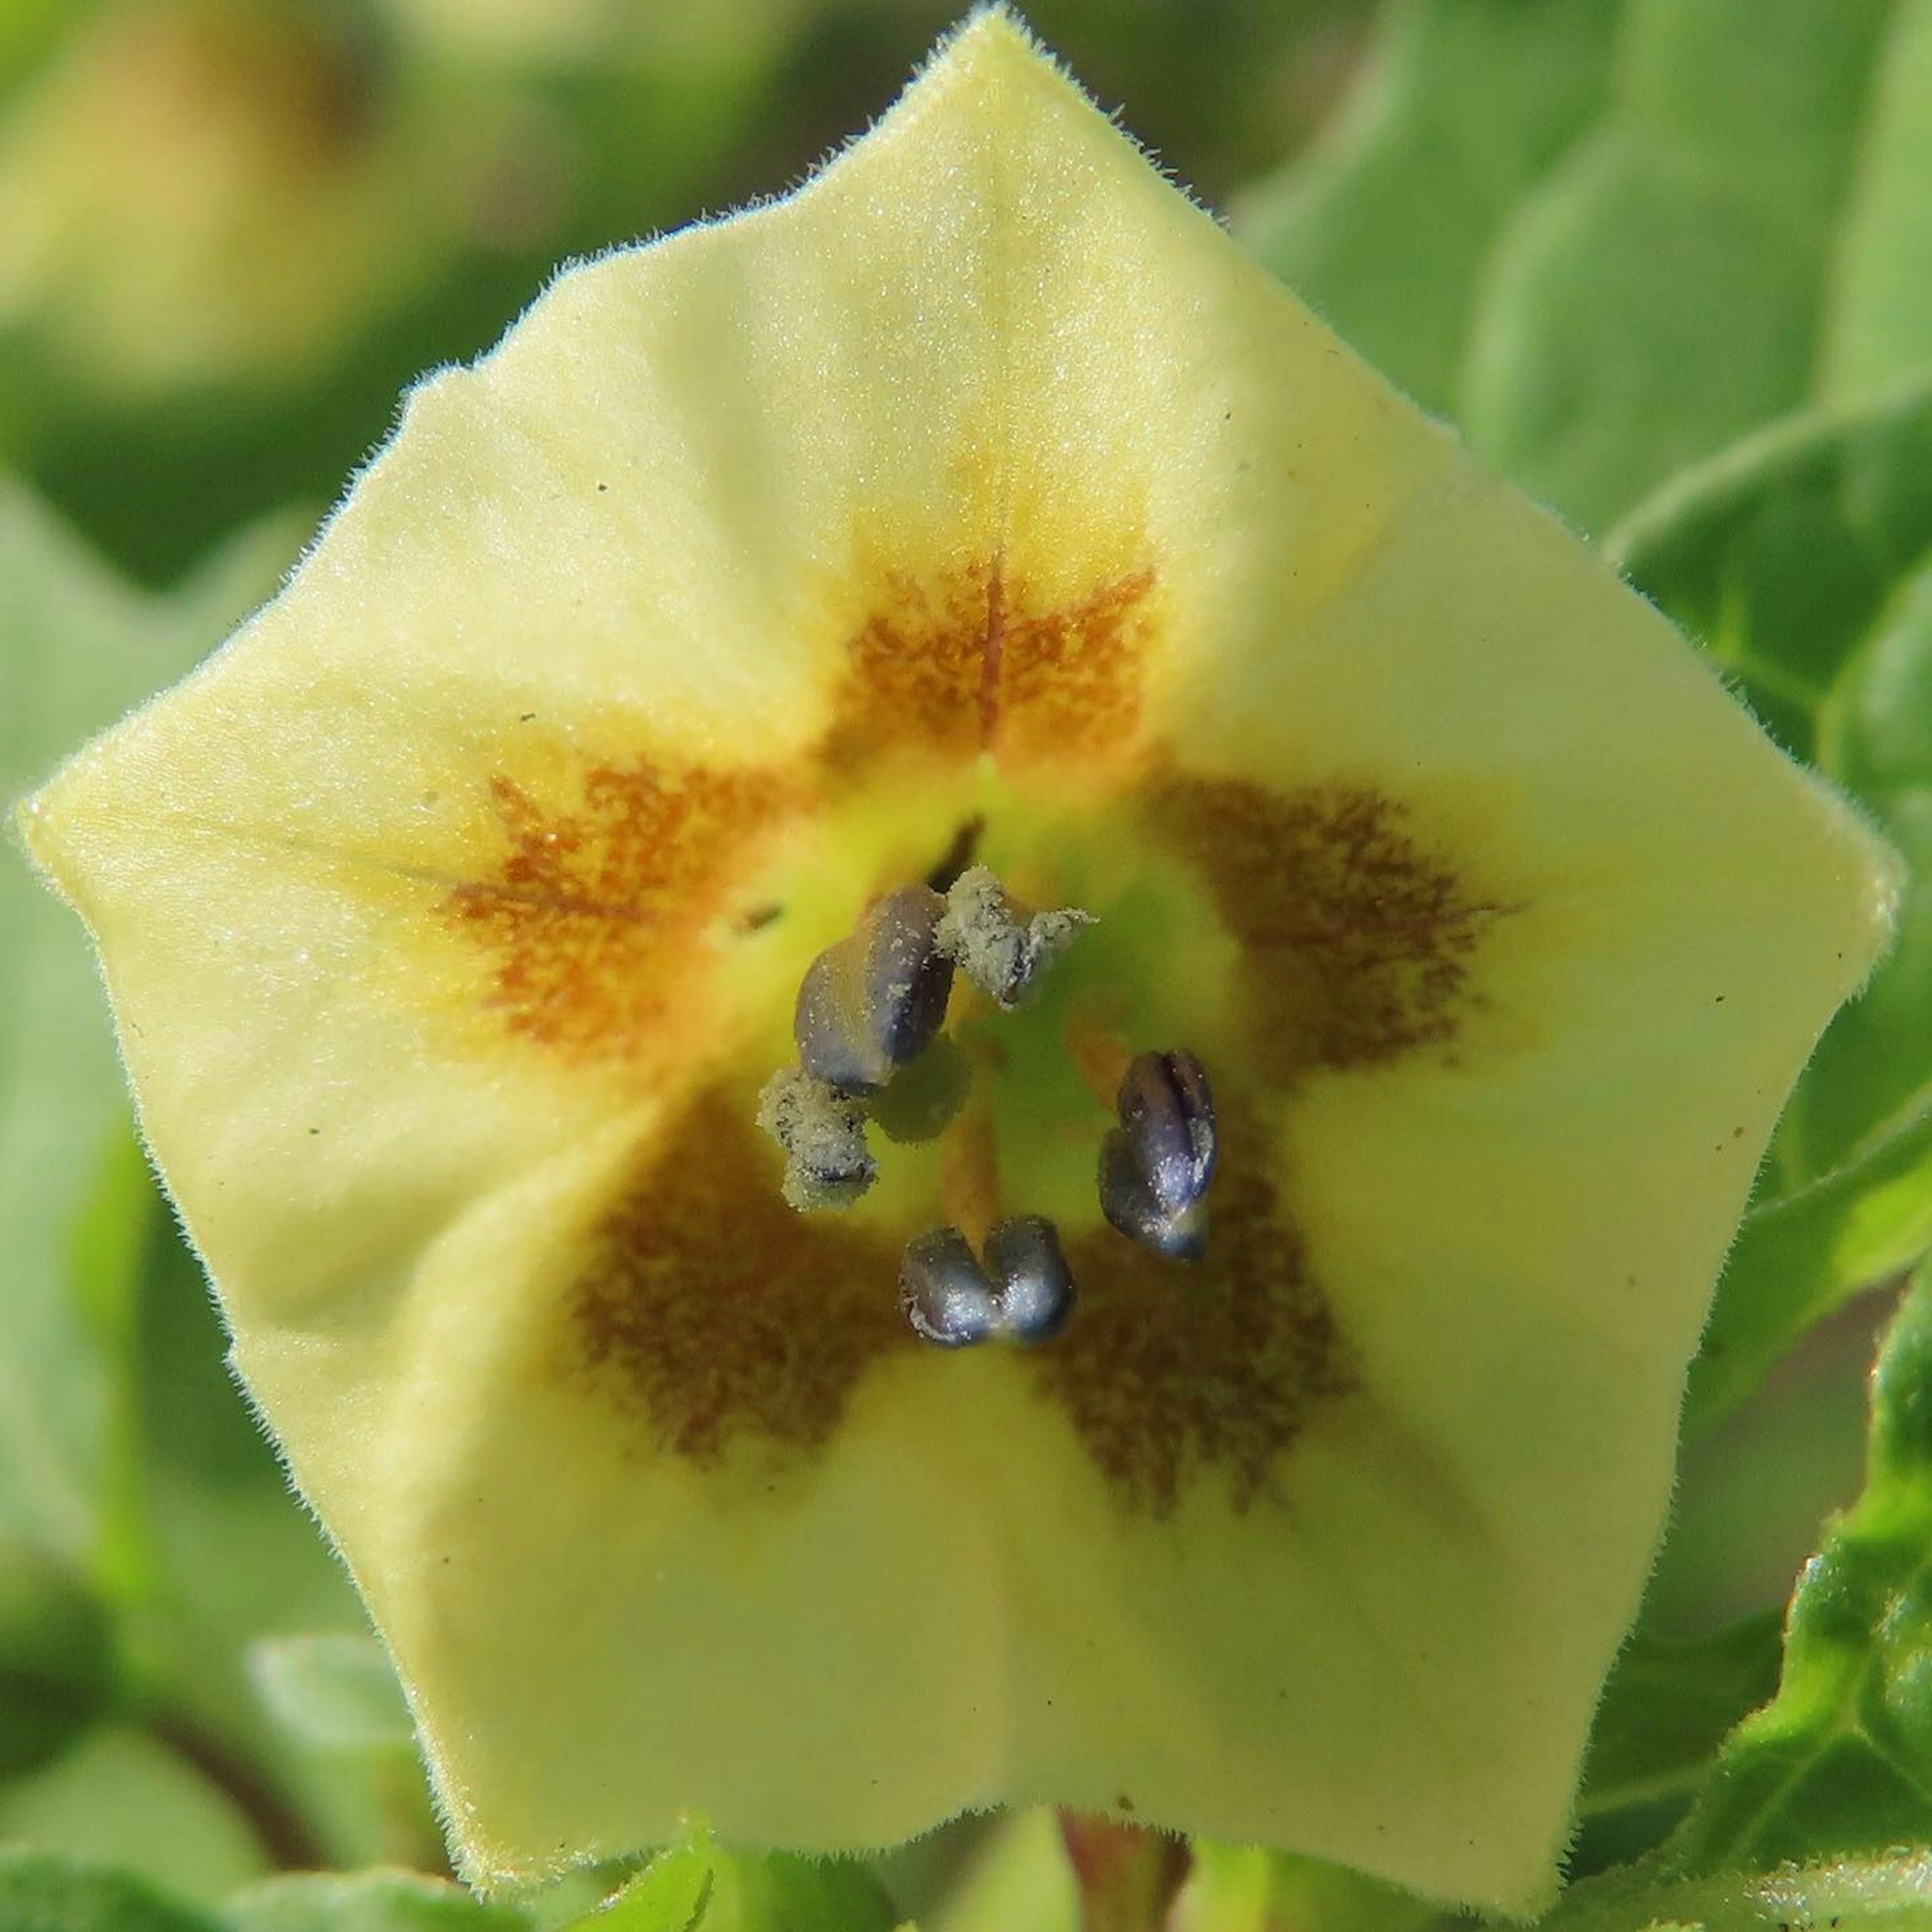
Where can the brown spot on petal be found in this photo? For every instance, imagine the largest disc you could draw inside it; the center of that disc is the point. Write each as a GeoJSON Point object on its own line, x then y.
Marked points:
{"type": "Point", "coordinates": [593, 912]}
{"type": "Point", "coordinates": [973, 661]}
{"type": "Point", "coordinates": [1356, 939]}
{"type": "Point", "coordinates": [1357, 942]}
{"type": "Point", "coordinates": [710, 1308]}
{"type": "Point", "coordinates": [1168, 1370]}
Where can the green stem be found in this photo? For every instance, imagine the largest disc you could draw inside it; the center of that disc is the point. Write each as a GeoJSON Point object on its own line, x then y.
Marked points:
{"type": "Point", "coordinates": [280, 1828]}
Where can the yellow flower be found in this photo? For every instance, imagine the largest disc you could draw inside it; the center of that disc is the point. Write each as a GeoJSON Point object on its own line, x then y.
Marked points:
{"type": "Point", "coordinates": [978, 500]}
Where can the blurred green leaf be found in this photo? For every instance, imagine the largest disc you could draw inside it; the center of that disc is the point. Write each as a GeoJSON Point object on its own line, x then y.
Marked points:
{"type": "Point", "coordinates": [120, 1798]}
{"type": "Point", "coordinates": [1669, 1704]}
{"type": "Point", "coordinates": [1019, 1879]}
{"type": "Point", "coordinates": [1226, 1890]}
{"type": "Point", "coordinates": [237, 1561]}
{"type": "Point", "coordinates": [77, 647]}
{"type": "Point", "coordinates": [1888, 1895]}
{"type": "Point", "coordinates": [1609, 239]}
{"type": "Point", "coordinates": [337, 1690]}
{"type": "Point", "coordinates": [108, 1256]}
{"type": "Point", "coordinates": [1802, 561]}
{"type": "Point", "coordinates": [1388, 225]}
{"type": "Point", "coordinates": [1241, 1889]}
{"type": "Point", "coordinates": [782, 1893]}
{"type": "Point", "coordinates": [697, 1887]}
{"type": "Point", "coordinates": [377, 1901]}
{"type": "Point", "coordinates": [1840, 1763]}
{"type": "Point", "coordinates": [234, 231]}
{"type": "Point", "coordinates": [1878, 317]}
{"type": "Point", "coordinates": [42, 1892]}
{"type": "Point", "coordinates": [57, 1663]}
{"type": "Point", "coordinates": [124, 1443]}
{"type": "Point", "coordinates": [232, 1562]}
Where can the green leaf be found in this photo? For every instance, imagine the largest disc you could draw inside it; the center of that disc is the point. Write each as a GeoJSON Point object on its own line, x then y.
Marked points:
{"type": "Point", "coordinates": [669, 1895]}
{"type": "Point", "coordinates": [1840, 1763]}
{"type": "Point", "coordinates": [77, 647]}
{"type": "Point", "coordinates": [1668, 1705]}
{"type": "Point", "coordinates": [230, 1562]}
{"type": "Point", "coordinates": [41, 1891]}
{"type": "Point", "coordinates": [1802, 561]}
{"type": "Point", "coordinates": [1388, 225]}
{"type": "Point", "coordinates": [57, 1675]}
{"type": "Point", "coordinates": [1881, 1895]}
{"type": "Point", "coordinates": [1609, 239]}
{"type": "Point", "coordinates": [122, 1798]}
{"type": "Point", "coordinates": [697, 1887]}
{"type": "Point", "coordinates": [336, 1691]}
{"type": "Point", "coordinates": [376, 1901]}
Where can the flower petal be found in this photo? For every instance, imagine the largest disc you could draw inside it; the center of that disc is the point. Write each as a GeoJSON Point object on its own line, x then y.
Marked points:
{"type": "Point", "coordinates": [453, 914]}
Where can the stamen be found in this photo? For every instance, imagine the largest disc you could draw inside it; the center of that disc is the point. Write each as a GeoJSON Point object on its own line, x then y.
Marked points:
{"type": "Point", "coordinates": [943, 1291]}
{"type": "Point", "coordinates": [1035, 1291]}
{"type": "Point", "coordinates": [822, 1132]}
{"type": "Point", "coordinates": [1167, 1111]}
{"type": "Point", "coordinates": [957, 855]}
{"type": "Point", "coordinates": [1024, 1293]}
{"type": "Point", "coordinates": [1155, 1166]}
{"type": "Point", "coordinates": [1001, 947]}
{"type": "Point", "coordinates": [872, 1001]}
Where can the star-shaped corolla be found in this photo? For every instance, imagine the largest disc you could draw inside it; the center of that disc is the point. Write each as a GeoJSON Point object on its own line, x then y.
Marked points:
{"type": "Point", "coordinates": [978, 502]}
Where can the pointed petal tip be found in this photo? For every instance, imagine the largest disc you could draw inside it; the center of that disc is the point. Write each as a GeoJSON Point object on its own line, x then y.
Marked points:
{"type": "Point", "coordinates": [996, 27]}
{"type": "Point", "coordinates": [27, 819]}
{"type": "Point", "coordinates": [1882, 876]}
{"type": "Point", "coordinates": [993, 45]}
{"type": "Point", "coordinates": [1888, 878]}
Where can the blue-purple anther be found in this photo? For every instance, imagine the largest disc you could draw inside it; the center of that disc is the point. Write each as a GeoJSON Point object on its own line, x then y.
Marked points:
{"type": "Point", "coordinates": [1023, 1292]}
{"type": "Point", "coordinates": [1156, 1165]}
{"type": "Point", "coordinates": [874, 1000]}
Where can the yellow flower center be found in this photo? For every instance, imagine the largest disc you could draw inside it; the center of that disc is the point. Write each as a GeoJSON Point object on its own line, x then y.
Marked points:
{"type": "Point", "coordinates": [656, 921]}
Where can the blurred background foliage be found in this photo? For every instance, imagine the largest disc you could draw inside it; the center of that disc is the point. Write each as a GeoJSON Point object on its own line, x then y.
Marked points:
{"type": "Point", "coordinates": [231, 231]}
{"type": "Point", "coordinates": [1664, 262]}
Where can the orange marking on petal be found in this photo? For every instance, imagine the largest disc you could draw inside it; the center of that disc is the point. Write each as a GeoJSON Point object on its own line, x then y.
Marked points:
{"type": "Point", "coordinates": [593, 913]}
{"type": "Point", "coordinates": [1069, 679]}
{"type": "Point", "coordinates": [970, 660]}
{"type": "Point", "coordinates": [913, 669]}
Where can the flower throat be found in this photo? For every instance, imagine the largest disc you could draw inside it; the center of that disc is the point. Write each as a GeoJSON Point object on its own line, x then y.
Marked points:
{"type": "Point", "coordinates": [868, 1025]}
